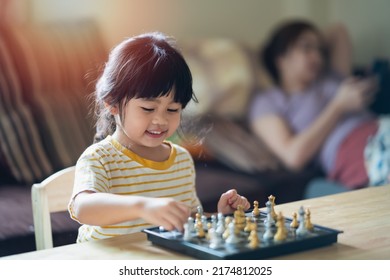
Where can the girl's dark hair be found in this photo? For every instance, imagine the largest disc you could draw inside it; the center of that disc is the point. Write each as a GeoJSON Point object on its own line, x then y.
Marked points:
{"type": "Point", "coordinates": [279, 43]}
{"type": "Point", "coordinates": [145, 66]}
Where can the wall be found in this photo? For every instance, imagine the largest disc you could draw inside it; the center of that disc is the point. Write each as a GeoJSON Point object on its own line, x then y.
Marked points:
{"type": "Point", "coordinates": [247, 20]}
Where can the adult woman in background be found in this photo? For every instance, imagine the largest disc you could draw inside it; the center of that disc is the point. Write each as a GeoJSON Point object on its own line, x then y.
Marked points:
{"type": "Point", "coordinates": [315, 111]}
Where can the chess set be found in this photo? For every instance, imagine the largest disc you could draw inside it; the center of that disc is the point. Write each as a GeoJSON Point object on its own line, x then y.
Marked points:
{"type": "Point", "coordinates": [245, 235]}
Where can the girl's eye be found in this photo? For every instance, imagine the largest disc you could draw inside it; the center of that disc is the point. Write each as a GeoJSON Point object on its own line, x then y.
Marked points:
{"type": "Point", "coordinates": [147, 109]}
{"type": "Point", "coordinates": [173, 110]}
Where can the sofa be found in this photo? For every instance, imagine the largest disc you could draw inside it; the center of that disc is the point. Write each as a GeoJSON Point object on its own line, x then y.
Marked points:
{"type": "Point", "coordinates": [47, 74]}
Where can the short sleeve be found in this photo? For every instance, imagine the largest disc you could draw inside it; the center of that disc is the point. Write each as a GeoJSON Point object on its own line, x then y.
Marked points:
{"type": "Point", "coordinates": [330, 86]}
{"type": "Point", "coordinates": [90, 175]}
{"type": "Point", "coordinates": [266, 103]}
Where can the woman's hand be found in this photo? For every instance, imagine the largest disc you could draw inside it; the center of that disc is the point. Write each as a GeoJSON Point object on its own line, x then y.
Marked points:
{"type": "Point", "coordinates": [230, 200]}
{"type": "Point", "coordinates": [165, 212]}
{"type": "Point", "coordinates": [355, 95]}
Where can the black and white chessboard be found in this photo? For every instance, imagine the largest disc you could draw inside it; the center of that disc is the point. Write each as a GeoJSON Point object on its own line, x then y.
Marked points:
{"type": "Point", "coordinates": [199, 247]}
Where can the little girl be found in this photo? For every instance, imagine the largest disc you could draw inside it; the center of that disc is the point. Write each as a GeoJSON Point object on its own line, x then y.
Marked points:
{"type": "Point", "coordinates": [133, 178]}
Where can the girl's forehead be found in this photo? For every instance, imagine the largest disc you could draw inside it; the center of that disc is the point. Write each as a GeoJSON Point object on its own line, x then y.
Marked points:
{"type": "Point", "coordinates": [169, 98]}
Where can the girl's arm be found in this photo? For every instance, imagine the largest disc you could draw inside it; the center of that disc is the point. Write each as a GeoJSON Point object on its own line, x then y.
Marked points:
{"type": "Point", "coordinates": [296, 150]}
{"type": "Point", "coordinates": [103, 209]}
{"type": "Point", "coordinates": [339, 46]}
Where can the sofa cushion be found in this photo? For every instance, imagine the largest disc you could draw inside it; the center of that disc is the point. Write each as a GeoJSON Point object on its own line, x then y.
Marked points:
{"type": "Point", "coordinates": [17, 226]}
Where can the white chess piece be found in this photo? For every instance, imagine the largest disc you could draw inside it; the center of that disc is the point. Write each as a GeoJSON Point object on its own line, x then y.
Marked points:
{"type": "Point", "coordinates": [269, 218]}
{"type": "Point", "coordinates": [232, 239]}
{"type": "Point", "coordinates": [187, 233]}
{"type": "Point", "coordinates": [216, 240]}
{"type": "Point", "coordinates": [221, 224]}
{"type": "Point", "coordinates": [191, 225]}
{"type": "Point", "coordinates": [301, 230]}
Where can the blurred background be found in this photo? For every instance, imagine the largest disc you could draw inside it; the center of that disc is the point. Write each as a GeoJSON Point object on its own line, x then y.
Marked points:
{"type": "Point", "coordinates": [51, 52]}
{"type": "Point", "coordinates": [248, 21]}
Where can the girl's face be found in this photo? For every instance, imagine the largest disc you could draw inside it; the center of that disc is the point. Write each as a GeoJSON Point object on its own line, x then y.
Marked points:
{"type": "Point", "coordinates": [303, 61]}
{"type": "Point", "coordinates": [148, 122]}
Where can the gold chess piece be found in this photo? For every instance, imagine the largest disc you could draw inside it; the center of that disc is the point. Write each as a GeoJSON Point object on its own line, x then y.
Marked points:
{"type": "Point", "coordinates": [308, 224]}
{"type": "Point", "coordinates": [248, 225]}
{"type": "Point", "coordinates": [271, 199]}
{"type": "Point", "coordinates": [256, 211]}
{"type": "Point", "coordinates": [253, 238]}
{"type": "Point", "coordinates": [294, 223]}
{"type": "Point", "coordinates": [281, 233]}
{"type": "Point", "coordinates": [200, 230]}
{"type": "Point", "coordinates": [226, 233]}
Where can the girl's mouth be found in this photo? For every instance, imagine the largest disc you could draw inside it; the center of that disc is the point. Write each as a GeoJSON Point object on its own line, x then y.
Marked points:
{"type": "Point", "coordinates": [155, 133]}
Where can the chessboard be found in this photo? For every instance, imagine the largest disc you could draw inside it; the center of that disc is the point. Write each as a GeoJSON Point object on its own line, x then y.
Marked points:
{"type": "Point", "coordinates": [245, 235]}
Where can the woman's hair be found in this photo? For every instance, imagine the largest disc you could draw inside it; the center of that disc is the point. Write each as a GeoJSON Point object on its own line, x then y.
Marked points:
{"type": "Point", "coordinates": [279, 43]}
{"type": "Point", "coordinates": [145, 66]}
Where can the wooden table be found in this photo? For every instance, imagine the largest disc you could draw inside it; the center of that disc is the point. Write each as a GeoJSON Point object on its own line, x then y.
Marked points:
{"type": "Point", "coordinates": [363, 215]}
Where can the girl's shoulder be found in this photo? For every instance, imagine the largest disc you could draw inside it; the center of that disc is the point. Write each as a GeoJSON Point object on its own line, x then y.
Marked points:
{"type": "Point", "coordinates": [180, 150]}
{"type": "Point", "coordinates": [100, 150]}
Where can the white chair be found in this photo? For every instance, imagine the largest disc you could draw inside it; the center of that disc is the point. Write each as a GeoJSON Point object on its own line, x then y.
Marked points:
{"type": "Point", "coordinates": [52, 195]}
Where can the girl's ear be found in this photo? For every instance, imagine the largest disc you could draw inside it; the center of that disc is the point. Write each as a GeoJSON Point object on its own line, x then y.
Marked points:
{"type": "Point", "coordinates": [113, 109]}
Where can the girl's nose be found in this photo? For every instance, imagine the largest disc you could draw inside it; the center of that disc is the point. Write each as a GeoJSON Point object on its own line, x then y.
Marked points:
{"type": "Point", "coordinates": [160, 119]}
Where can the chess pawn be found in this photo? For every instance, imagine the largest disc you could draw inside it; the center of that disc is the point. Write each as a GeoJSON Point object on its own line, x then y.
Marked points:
{"type": "Point", "coordinates": [226, 233]}
{"type": "Point", "coordinates": [268, 234]}
{"type": "Point", "coordinates": [200, 210]}
{"type": "Point", "coordinates": [294, 223]}
{"type": "Point", "coordinates": [199, 230]}
{"type": "Point", "coordinates": [232, 238]}
{"type": "Point", "coordinates": [213, 221]}
{"type": "Point", "coordinates": [248, 225]}
{"type": "Point", "coordinates": [301, 230]}
{"type": "Point", "coordinates": [220, 224]}
{"type": "Point", "coordinates": [269, 219]}
{"type": "Point", "coordinates": [187, 232]}
{"type": "Point", "coordinates": [197, 218]}
{"type": "Point", "coordinates": [256, 211]}
{"type": "Point", "coordinates": [216, 241]}
{"type": "Point", "coordinates": [281, 233]}
{"type": "Point", "coordinates": [191, 224]}
{"type": "Point", "coordinates": [308, 224]}
{"type": "Point", "coordinates": [253, 239]}
{"type": "Point", "coordinates": [271, 199]}
{"type": "Point", "coordinates": [209, 227]}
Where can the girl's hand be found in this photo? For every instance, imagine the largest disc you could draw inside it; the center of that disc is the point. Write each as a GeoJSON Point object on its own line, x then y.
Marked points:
{"type": "Point", "coordinates": [230, 200]}
{"type": "Point", "coordinates": [355, 94]}
{"type": "Point", "coordinates": [165, 212]}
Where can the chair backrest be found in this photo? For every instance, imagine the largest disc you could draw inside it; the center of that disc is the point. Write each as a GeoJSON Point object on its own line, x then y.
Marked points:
{"type": "Point", "coordinates": [52, 195]}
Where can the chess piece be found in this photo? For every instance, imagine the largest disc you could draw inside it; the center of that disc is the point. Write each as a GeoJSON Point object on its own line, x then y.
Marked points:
{"type": "Point", "coordinates": [309, 226]}
{"type": "Point", "coordinates": [281, 233]}
{"type": "Point", "coordinates": [200, 210]}
{"type": "Point", "coordinates": [269, 219]}
{"type": "Point", "coordinates": [199, 230]}
{"type": "Point", "coordinates": [301, 230]}
{"type": "Point", "coordinates": [268, 234]}
{"type": "Point", "coordinates": [256, 211]}
{"type": "Point", "coordinates": [253, 239]}
{"type": "Point", "coordinates": [248, 226]}
{"type": "Point", "coordinates": [208, 227]}
{"type": "Point", "coordinates": [197, 218]}
{"type": "Point", "coordinates": [294, 223]}
{"type": "Point", "coordinates": [239, 218]}
{"type": "Point", "coordinates": [187, 232]}
{"type": "Point", "coordinates": [232, 238]}
{"type": "Point", "coordinates": [213, 221]}
{"type": "Point", "coordinates": [216, 240]}
{"type": "Point", "coordinates": [220, 224]}
{"type": "Point", "coordinates": [271, 199]}
{"type": "Point", "coordinates": [226, 233]}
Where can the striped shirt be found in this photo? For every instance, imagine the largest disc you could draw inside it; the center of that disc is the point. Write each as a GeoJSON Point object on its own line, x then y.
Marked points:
{"type": "Point", "coordinates": [108, 167]}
